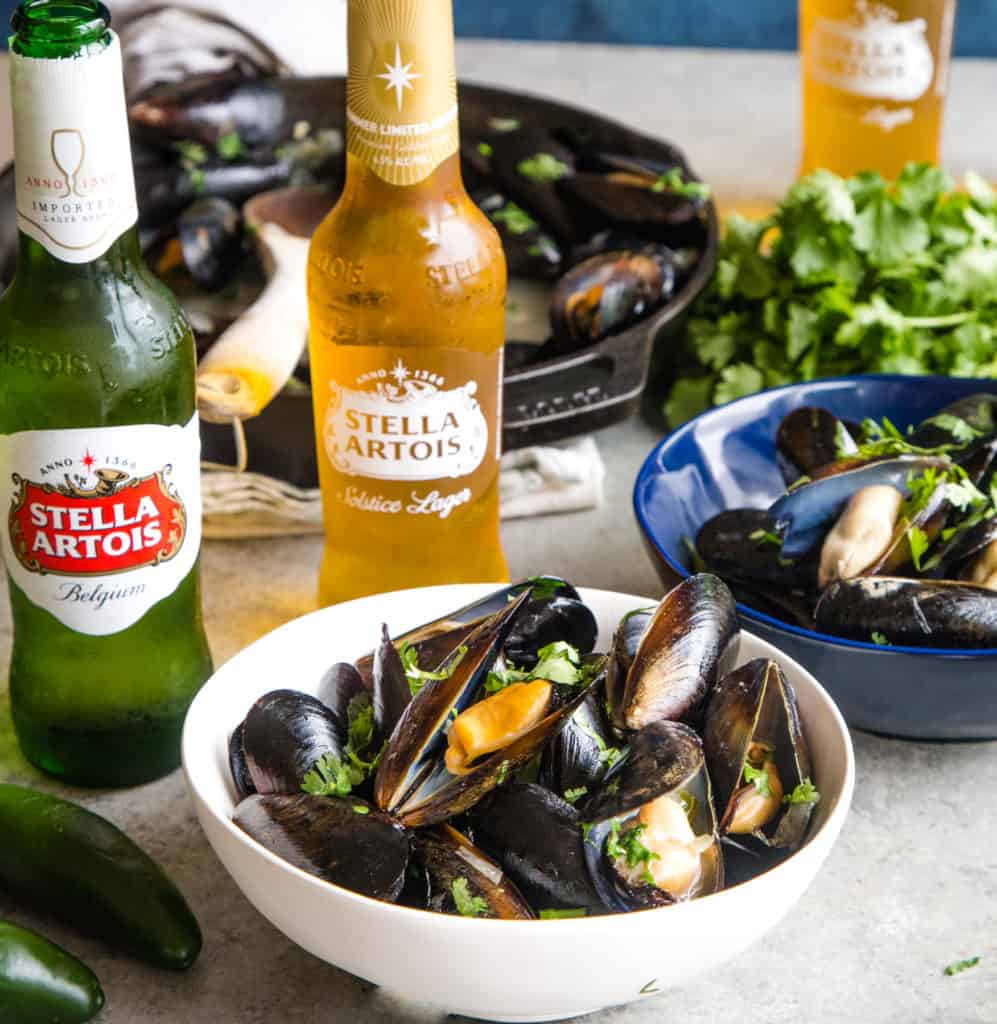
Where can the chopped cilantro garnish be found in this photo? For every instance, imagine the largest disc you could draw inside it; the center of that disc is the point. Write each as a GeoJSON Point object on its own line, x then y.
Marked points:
{"type": "Point", "coordinates": [880, 639]}
{"type": "Point", "coordinates": [485, 149]}
{"type": "Point", "coordinates": [360, 735]}
{"type": "Point", "coordinates": [689, 803]}
{"type": "Point", "coordinates": [418, 677]}
{"type": "Point", "coordinates": [672, 181]}
{"type": "Point", "coordinates": [515, 219]}
{"type": "Point", "coordinates": [586, 827]}
{"type": "Point", "coordinates": [330, 777]}
{"type": "Point", "coordinates": [563, 915]}
{"type": "Point", "coordinates": [960, 429]}
{"type": "Point", "coordinates": [805, 793]}
{"type": "Point", "coordinates": [360, 809]}
{"type": "Point", "coordinates": [961, 965]}
{"type": "Point", "coordinates": [230, 146]}
{"type": "Point", "coordinates": [607, 755]}
{"type": "Point", "coordinates": [558, 662]}
{"type": "Point", "coordinates": [503, 774]}
{"type": "Point", "coordinates": [919, 544]}
{"type": "Point", "coordinates": [574, 795]}
{"type": "Point", "coordinates": [762, 537]}
{"type": "Point", "coordinates": [759, 778]}
{"type": "Point", "coordinates": [627, 846]}
{"type": "Point", "coordinates": [542, 168]}
{"type": "Point", "coordinates": [192, 154]}
{"type": "Point", "coordinates": [543, 588]}
{"type": "Point", "coordinates": [198, 181]}
{"type": "Point", "coordinates": [468, 905]}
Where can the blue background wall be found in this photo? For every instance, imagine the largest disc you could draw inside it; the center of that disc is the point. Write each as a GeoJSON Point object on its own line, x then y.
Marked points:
{"type": "Point", "coordinates": [763, 24]}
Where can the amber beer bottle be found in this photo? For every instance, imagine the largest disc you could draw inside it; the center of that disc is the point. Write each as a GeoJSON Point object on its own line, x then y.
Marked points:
{"type": "Point", "coordinates": [875, 74]}
{"type": "Point", "coordinates": [99, 445]}
{"type": "Point", "coordinates": [406, 287]}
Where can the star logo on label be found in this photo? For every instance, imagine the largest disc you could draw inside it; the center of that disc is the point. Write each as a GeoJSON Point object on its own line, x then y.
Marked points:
{"type": "Point", "coordinates": [399, 76]}
{"type": "Point", "coordinates": [400, 372]}
{"type": "Point", "coordinates": [88, 460]}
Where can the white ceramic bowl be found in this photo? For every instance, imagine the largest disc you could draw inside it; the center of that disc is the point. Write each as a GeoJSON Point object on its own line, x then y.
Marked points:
{"type": "Point", "coordinates": [550, 969]}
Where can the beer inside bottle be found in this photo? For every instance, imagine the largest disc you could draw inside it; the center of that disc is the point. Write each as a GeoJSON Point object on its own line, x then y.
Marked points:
{"type": "Point", "coordinates": [99, 445]}
{"type": "Point", "coordinates": [406, 285]}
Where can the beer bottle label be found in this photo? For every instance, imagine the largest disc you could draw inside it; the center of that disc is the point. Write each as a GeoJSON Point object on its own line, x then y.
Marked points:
{"type": "Point", "coordinates": [401, 98]}
{"type": "Point", "coordinates": [75, 187]}
{"type": "Point", "coordinates": [102, 523]}
{"type": "Point", "coordinates": [407, 430]}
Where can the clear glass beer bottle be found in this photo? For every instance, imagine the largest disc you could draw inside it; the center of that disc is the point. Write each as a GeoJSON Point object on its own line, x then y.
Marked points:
{"type": "Point", "coordinates": [99, 444]}
{"type": "Point", "coordinates": [406, 285]}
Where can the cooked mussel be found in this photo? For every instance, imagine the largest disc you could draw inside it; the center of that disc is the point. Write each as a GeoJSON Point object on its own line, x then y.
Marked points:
{"type": "Point", "coordinates": [343, 841]}
{"type": "Point", "coordinates": [690, 642]}
{"type": "Point", "coordinates": [758, 758]}
{"type": "Point", "coordinates": [340, 690]}
{"type": "Point", "coordinates": [803, 515]}
{"type": "Point", "coordinates": [210, 232]}
{"type": "Point", "coordinates": [576, 761]}
{"type": "Point", "coordinates": [909, 612]}
{"type": "Point", "coordinates": [605, 294]}
{"type": "Point", "coordinates": [537, 838]}
{"type": "Point", "coordinates": [808, 438]}
{"type": "Point", "coordinates": [626, 643]}
{"type": "Point", "coordinates": [742, 543]}
{"type": "Point", "coordinates": [464, 881]}
{"type": "Point", "coordinates": [284, 734]}
{"type": "Point", "coordinates": [455, 742]}
{"type": "Point", "coordinates": [651, 829]}
{"type": "Point", "coordinates": [979, 412]}
{"type": "Point", "coordinates": [238, 768]}
{"type": "Point", "coordinates": [547, 620]}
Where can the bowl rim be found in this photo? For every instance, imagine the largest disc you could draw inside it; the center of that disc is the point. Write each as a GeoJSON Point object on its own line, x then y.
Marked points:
{"type": "Point", "coordinates": [650, 469]}
{"type": "Point", "coordinates": [831, 826]}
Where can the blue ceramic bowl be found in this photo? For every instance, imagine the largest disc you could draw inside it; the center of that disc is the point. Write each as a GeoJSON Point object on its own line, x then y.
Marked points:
{"type": "Point", "coordinates": [725, 458]}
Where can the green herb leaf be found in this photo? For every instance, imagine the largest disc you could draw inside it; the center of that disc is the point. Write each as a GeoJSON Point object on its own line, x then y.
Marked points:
{"type": "Point", "coordinates": [330, 777]}
{"type": "Point", "coordinates": [572, 796]}
{"type": "Point", "coordinates": [360, 809]}
{"type": "Point", "coordinates": [805, 793]}
{"type": "Point", "coordinates": [627, 846]}
{"type": "Point", "coordinates": [468, 905]}
{"type": "Point", "coordinates": [759, 777]}
{"type": "Point", "coordinates": [230, 146]}
{"type": "Point", "coordinates": [919, 544]}
{"type": "Point", "coordinates": [198, 181]}
{"type": "Point", "coordinates": [485, 149]}
{"type": "Point", "coordinates": [880, 639]}
{"type": "Point", "coordinates": [961, 965]}
{"type": "Point", "coordinates": [563, 915]}
{"type": "Point", "coordinates": [192, 154]}
{"type": "Point", "coordinates": [515, 219]}
{"type": "Point", "coordinates": [766, 537]}
{"type": "Point", "coordinates": [542, 168]}
{"type": "Point", "coordinates": [503, 774]}
{"type": "Point", "coordinates": [544, 588]}
{"type": "Point", "coordinates": [418, 677]}
{"type": "Point", "coordinates": [672, 181]}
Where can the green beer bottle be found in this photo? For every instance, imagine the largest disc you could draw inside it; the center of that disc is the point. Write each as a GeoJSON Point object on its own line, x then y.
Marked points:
{"type": "Point", "coordinates": [99, 443]}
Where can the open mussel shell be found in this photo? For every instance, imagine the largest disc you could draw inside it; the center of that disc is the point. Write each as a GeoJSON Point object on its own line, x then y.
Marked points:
{"type": "Point", "coordinates": [979, 411]}
{"type": "Point", "coordinates": [436, 640]}
{"type": "Point", "coordinates": [755, 705]}
{"type": "Point", "coordinates": [417, 741]}
{"type": "Point", "coordinates": [284, 734]}
{"type": "Point", "coordinates": [910, 613]}
{"type": "Point", "coordinates": [803, 515]}
{"type": "Point", "coordinates": [930, 520]}
{"type": "Point", "coordinates": [956, 558]}
{"type": "Point", "coordinates": [241, 778]}
{"type": "Point", "coordinates": [581, 754]}
{"type": "Point", "coordinates": [605, 294]}
{"type": "Point", "coordinates": [449, 857]}
{"type": "Point", "coordinates": [808, 438]}
{"type": "Point", "coordinates": [343, 841]}
{"type": "Point", "coordinates": [665, 759]}
{"type": "Point", "coordinates": [340, 689]}
{"type": "Point", "coordinates": [737, 543]}
{"type": "Point", "coordinates": [391, 691]}
{"type": "Point", "coordinates": [545, 621]}
{"type": "Point", "coordinates": [537, 838]}
{"type": "Point", "coordinates": [210, 233]}
{"type": "Point", "coordinates": [626, 643]}
{"type": "Point", "coordinates": [691, 641]}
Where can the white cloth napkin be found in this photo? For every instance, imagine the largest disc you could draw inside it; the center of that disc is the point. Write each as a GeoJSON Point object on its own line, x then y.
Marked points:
{"type": "Point", "coordinates": [535, 481]}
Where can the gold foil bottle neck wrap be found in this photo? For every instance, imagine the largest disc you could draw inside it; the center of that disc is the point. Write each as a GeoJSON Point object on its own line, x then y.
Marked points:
{"type": "Point", "coordinates": [401, 106]}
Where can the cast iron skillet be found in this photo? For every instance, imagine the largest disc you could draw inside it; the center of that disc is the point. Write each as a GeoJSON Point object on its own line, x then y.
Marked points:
{"type": "Point", "coordinates": [545, 402]}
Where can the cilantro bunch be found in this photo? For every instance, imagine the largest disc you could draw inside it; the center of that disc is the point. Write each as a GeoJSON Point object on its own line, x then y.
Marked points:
{"type": "Point", "coordinates": [848, 276]}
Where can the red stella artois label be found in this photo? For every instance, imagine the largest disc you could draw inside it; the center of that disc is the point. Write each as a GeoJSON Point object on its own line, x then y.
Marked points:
{"type": "Point", "coordinates": [102, 524]}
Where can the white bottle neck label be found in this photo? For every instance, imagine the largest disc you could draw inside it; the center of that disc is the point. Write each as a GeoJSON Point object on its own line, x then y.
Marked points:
{"type": "Point", "coordinates": [102, 523]}
{"type": "Point", "coordinates": [73, 160]}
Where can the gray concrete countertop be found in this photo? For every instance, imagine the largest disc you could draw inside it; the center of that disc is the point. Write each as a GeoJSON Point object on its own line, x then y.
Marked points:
{"type": "Point", "coordinates": [912, 884]}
